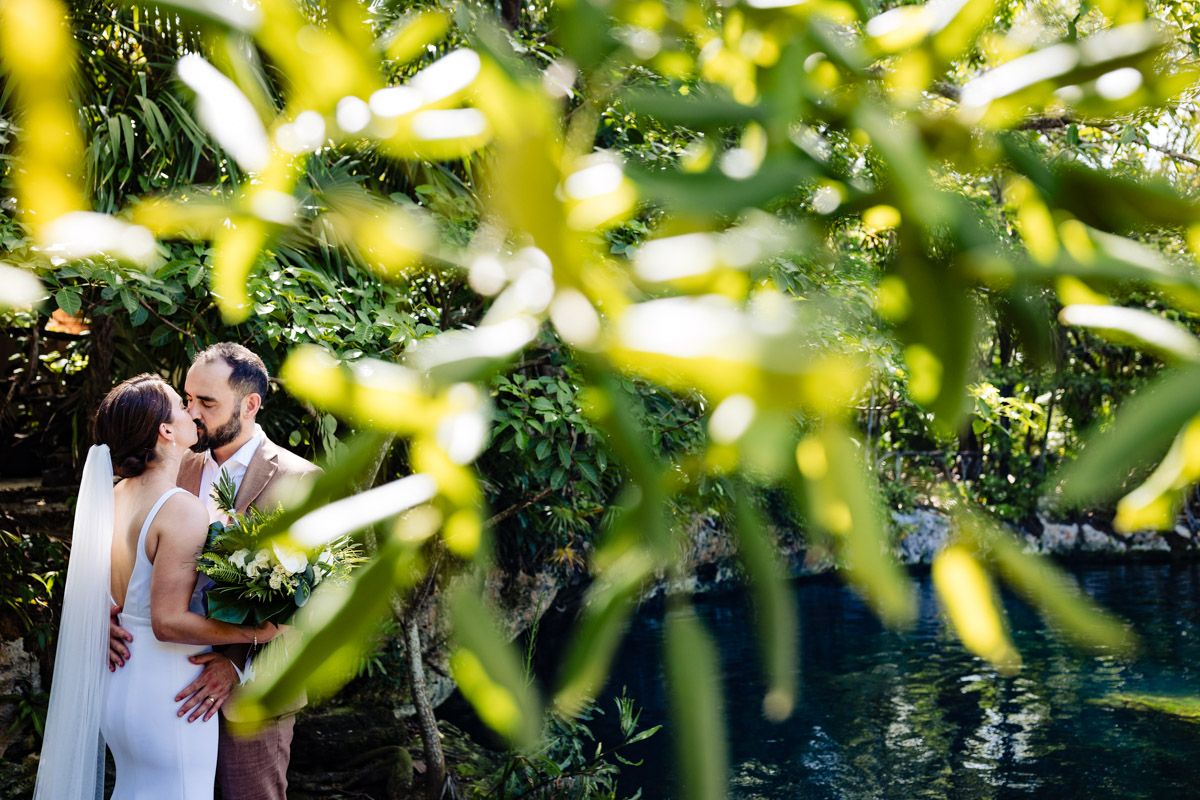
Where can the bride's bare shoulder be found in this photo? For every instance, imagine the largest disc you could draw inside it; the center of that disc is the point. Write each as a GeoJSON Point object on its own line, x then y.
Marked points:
{"type": "Point", "coordinates": [184, 511]}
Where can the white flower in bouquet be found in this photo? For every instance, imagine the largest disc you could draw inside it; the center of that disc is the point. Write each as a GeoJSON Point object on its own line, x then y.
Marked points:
{"type": "Point", "coordinates": [278, 576]}
{"type": "Point", "coordinates": [238, 559]}
{"type": "Point", "coordinates": [290, 559]}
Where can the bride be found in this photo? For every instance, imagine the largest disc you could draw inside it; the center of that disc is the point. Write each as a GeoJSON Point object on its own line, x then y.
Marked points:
{"type": "Point", "coordinates": [134, 544]}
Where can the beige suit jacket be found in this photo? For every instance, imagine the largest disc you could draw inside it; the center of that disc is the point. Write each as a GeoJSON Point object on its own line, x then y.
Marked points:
{"type": "Point", "coordinates": [264, 485]}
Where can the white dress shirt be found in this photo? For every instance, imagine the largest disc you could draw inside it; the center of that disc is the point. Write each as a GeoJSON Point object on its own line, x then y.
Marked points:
{"type": "Point", "coordinates": [235, 468]}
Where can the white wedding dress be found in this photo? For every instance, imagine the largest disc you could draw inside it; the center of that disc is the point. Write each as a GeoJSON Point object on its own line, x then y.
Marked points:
{"type": "Point", "coordinates": [158, 754]}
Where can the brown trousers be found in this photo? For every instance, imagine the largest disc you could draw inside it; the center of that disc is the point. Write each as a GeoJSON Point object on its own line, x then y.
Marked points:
{"type": "Point", "coordinates": [255, 767]}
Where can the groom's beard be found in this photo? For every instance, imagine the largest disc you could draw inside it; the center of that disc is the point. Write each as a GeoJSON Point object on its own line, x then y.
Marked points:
{"type": "Point", "coordinates": [211, 440]}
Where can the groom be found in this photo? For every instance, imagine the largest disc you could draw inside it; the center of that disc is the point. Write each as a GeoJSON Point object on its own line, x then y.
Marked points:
{"type": "Point", "coordinates": [225, 389]}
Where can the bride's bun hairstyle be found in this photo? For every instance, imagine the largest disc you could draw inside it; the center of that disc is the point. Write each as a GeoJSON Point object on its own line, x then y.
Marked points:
{"type": "Point", "coordinates": [128, 419]}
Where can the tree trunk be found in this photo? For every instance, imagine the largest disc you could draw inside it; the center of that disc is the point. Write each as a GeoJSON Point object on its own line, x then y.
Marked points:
{"type": "Point", "coordinates": [435, 760]}
{"type": "Point", "coordinates": [510, 12]}
{"type": "Point", "coordinates": [98, 376]}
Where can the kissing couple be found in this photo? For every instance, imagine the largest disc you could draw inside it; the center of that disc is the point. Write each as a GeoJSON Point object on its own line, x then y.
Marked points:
{"type": "Point", "coordinates": [134, 643]}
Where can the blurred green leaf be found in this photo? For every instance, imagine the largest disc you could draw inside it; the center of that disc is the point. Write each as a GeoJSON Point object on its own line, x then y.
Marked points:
{"type": "Point", "coordinates": [68, 300]}
{"type": "Point", "coordinates": [778, 625]}
{"type": "Point", "coordinates": [1143, 329]}
{"type": "Point", "coordinates": [697, 714]}
{"type": "Point", "coordinates": [702, 111]}
{"type": "Point", "coordinates": [335, 626]}
{"type": "Point", "coordinates": [1046, 587]}
{"type": "Point", "coordinates": [516, 712]}
{"type": "Point", "coordinates": [1140, 433]}
{"type": "Point", "coordinates": [713, 191]}
{"type": "Point", "coordinates": [606, 612]}
{"type": "Point", "coordinates": [838, 493]}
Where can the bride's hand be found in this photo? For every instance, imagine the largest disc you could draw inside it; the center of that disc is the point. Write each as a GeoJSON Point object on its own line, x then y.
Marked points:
{"type": "Point", "coordinates": [266, 632]}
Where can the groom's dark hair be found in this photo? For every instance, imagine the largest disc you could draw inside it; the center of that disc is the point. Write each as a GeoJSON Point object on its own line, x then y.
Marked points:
{"type": "Point", "coordinates": [249, 372]}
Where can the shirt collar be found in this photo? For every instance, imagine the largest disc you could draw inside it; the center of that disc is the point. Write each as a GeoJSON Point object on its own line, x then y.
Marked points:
{"type": "Point", "coordinates": [244, 453]}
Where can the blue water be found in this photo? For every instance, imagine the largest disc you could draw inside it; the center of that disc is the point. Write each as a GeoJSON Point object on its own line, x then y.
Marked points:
{"type": "Point", "coordinates": [886, 714]}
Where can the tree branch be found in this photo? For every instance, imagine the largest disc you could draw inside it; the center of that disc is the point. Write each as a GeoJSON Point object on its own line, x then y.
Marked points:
{"type": "Point", "coordinates": [168, 322]}
{"type": "Point", "coordinates": [1055, 123]}
{"type": "Point", "coordinates": [518, 507]}
{"type": "Point", "coordinates": [1173, 153]}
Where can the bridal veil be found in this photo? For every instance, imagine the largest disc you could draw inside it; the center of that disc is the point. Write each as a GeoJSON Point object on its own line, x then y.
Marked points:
{"type": "Point", "coordinates": [72, 761]}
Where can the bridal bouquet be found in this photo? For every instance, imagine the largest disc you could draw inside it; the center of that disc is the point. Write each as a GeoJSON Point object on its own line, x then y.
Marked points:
{"type": "Point", "coordinates": [256, 581]}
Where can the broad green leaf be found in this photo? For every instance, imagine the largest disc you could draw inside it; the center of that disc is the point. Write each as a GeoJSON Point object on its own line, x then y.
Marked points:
{"type": "Point", "coordinates": [697, 715]}
{"type": "Point", "coordinates": [68, 300]}
{"type": "Point", "coordinates": [227, 607]}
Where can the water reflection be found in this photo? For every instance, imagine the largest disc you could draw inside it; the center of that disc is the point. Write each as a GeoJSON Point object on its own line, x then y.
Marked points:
{"type": "Point", "coordinates": [887, 715]}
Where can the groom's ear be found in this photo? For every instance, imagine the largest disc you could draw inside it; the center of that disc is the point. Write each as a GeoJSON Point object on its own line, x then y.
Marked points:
{"type": "Point", "coordinates": [251, 404]}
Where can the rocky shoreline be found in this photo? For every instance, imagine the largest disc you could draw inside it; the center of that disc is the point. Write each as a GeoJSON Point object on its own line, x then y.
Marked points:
{"type": "Point", "coordinates": [711, 555]}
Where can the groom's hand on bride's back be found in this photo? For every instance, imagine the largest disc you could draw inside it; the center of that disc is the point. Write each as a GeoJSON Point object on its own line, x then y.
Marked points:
{"type": "Point", "coordinates": [118, 652]}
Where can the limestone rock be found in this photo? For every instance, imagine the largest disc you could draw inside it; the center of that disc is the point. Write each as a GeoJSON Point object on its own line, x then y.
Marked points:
{"type": "Point", "coordinates": [19, 674]}
{"type": "Point", "coordinates": [520, 599]}
{"type": "Point", "coordinates": [1149, 541]}
{"type": "Point", "coordinates": [1095, 541]}
{"type": "Point", "coordinates": [920, 535]}
{"type": "Point", "coordinates": [1058, 537]}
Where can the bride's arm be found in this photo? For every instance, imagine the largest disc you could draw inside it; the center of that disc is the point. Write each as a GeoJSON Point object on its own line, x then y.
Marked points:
{"type": "Point", "coordinates": [181, 527]}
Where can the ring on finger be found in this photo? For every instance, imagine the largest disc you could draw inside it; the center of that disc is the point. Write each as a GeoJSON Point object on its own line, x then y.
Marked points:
{"type": "Point", "coordinates": [210, 699]}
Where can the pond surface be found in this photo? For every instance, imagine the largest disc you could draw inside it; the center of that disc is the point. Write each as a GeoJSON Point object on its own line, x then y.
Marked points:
{"type": "Point", "coordinates": [912, 715]}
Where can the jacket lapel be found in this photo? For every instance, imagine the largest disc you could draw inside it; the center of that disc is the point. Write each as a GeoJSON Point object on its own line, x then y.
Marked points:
{"type": "Point", "coordinates": [190, 471]}
{"type": "Point", "coordinates": [263, 466]}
